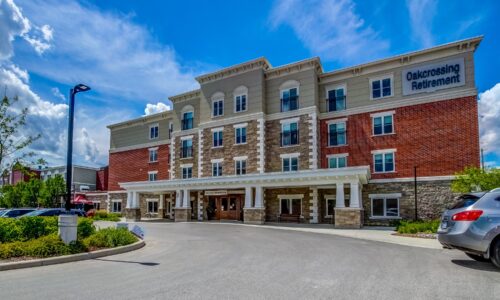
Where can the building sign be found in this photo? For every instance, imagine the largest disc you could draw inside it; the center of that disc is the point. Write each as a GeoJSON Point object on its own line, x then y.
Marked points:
{"type": "Point", "coordinates": [216, 193]}
{"type": "Point", "coordinates": [430, 78]}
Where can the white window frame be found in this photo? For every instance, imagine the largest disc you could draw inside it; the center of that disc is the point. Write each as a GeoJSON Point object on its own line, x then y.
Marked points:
{"type": "Point", "coordinates": [154, 173]}
{"type": "Point", "coordinates": [337, 121]}
{"type": "Point", "coordinates": [187, 109]}
{"type": "Point", "coordinates": [289, 156]}
{"type": "Point", "coordinates": [218, 131]}
{"type": "Point", "coordinates": [98, 205]}
{"type": "Point", "coordinates": [158, 131]}
{"type": "Point", "coordinates": [239, 127]}
{"type": "Point", "coordinates": [380, 78]}
{"type": "Point", "coordinates": [329, 198]}
{"type": "Point", "coordinates": [337, 156]}
{"type": "Point", "coordinates": [240, 159]}
{"type": "Point", "coordinates": [385, 197]}
{"type": "Point", "coordinates": [113, 206]}
{"type": "Point", "coordinates": [289, 122]}
{"type": "Point", "coordinates": [236, 100]}
{"type": "Point", "coordinates": [186, 166]}
{"type": "Point", "coordinates": [384, 152]}
{"type": "Point", "coordinates": [290, 198]}
{"type": "Point", "coordinates": [382, 115]}
{"type": "Point", "coordinates": [153, 201]}
{"type": "Point", "coordinates": [221, 100]}
{"type": "Point", "coordinates": [153, 150]}
{"type": "Point", "coordinates": [217, 162]}
{"type": "Point", "coordinates": [336, 87]}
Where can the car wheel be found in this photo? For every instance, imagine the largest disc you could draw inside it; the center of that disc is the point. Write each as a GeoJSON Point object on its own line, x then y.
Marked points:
{"type": "Point", "coordinates": [477, 257]}
{"type": "Point", "coordinates": [495, 253]}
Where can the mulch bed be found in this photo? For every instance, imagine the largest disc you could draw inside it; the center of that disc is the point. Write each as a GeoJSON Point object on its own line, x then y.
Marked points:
{"type": "Point", "coordinates": [418, 235]}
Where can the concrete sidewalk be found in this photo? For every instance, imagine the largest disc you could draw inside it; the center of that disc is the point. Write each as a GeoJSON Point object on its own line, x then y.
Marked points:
{"type": "Point", "coordinates": [379, 234]}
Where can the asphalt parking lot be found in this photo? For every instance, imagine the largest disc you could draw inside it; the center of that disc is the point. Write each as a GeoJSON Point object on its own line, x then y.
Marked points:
{"type": "Point", "coordinates": [213, 261]}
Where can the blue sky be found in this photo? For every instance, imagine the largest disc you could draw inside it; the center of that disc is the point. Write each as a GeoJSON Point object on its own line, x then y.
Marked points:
{"type": "Point", "coordinates": [134, 54]}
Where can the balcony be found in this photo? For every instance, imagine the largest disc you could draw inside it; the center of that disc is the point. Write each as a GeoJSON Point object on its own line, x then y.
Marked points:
{"type": "Point", "coordinates": [187, 152]}
{"type": "Point", "coordinates": [336, 103]}
{"type": "Point", "coordinates": [290, 103]}
{"type": "Point", "coordinates": [187, 124]}
{"type": "Point", "coordinates": [289, 138]}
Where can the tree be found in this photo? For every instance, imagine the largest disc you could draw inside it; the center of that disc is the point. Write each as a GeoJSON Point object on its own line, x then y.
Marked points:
{"type": "Point", "coordinates": [475, 179]}
{"type": "Point", "coordinates": [31, 192]}
{"type": "Point", "coordinates": [13, 142]}
{"type": "Point", "coordinates": [53, 189]}
{"type": "Point", "coordinates": [11, 196]}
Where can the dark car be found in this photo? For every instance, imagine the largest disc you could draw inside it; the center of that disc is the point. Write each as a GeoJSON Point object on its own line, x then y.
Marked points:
{"type": "Point", "coordinates": [15, 212]}
{"type": "Point", "coordinates": [50, 212]}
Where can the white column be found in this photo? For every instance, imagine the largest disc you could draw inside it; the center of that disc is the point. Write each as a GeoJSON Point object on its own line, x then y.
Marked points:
{"type": "Point", "coordinates": [162, 199]}
{"type": "Point", "coordinates": [248, 197]}
{"type": "Point", "coordinates": [135, 197]}
{"type": "Point", "coordinates": [259, 197]}
{"type": "Point", "coordinates": [178, 198]}
{"type": "Point", "coordinates": [339, 199]}
{"type": "Point", "coordinates": [186, 199]}
{"type": "Point", "coordinates": [129, 200]}
{"type": "Point", "coordinates": [354, 195]}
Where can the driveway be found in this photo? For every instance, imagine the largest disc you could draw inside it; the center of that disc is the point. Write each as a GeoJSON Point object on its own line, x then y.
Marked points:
{"type": "Point", "coordinates": [213, 261]}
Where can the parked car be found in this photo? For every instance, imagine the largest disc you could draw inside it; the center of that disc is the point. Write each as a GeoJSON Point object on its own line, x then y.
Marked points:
{"type": "Point", "coordinates": [15, 212]}
{"type": "Point", "coordinates": [50, 212]}
{"type": "Point", "coordinates": [473, 226]}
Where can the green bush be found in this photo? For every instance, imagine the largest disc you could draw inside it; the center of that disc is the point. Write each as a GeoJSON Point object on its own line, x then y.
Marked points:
{"type": "Point", "coordinates": [50, 245]}
{"type": "Point", "coordinates": [110, 237]}
{"type": "Point", "coordinates": [85, 228]}
{"type": "Point", "coordinates": [103, 215]}
{"type": "Point", "coordinates": [9, 231]}
{"type": "Point", "coordinates": [412, 227]}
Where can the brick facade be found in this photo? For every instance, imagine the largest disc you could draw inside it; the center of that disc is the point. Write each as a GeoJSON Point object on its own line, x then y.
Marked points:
{"type": "Point", "coordinates": [440, 138]}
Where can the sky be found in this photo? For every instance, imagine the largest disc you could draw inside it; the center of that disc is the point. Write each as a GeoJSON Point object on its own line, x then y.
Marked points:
{"type": "Point", "coordinates": [135, 54]}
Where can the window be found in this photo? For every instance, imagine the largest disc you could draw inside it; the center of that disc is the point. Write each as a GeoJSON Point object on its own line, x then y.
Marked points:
{"type": "Point", "coordinates": [240, 135]}
{"type": "Point", "coordinates": [153, 155]}
{"type": "Point", "coordinates": [381, 87]}
{"type": "Point", "coordinates": [337, 161]}
{"type": "Point", "coordinates": [216, 168]}
{"type": "Point", "coordinates": [217, 138]}
{"type": "Point", "coordinates": [240, 166]}
{"type": "Point", "coordinates": [337, 134]}
{"type": "Point", "coordinates": [289, 99]}
{"type": "Point", "coordinates": [384, 161]}
{"type": "Point", "coordinates": [153, 207]}
{"type": "Point", "coordinates": [153, 132]}
{"type": "Point", "coordinates": [336, 99]}
{"type": "Point", "coordinates": [97, 205]}
{"type": "Point", "coordinates": [187, 148]}
{"type": "Point", "coordinates": [290, 164]}
{"type": "Point", "coordinates": [385, 205]}
{"type": "Point", "coordinates": [153, 176]}
{"type": "Point", "coordinates": [289, 134]}
{"type": "Point", "coordinates": [383, 124]}
{"type": "Point", "coordinates": [290, 206]}
{"type": "Point", "coordinates": [187, 120]}
{"type": "Point", "coordinates": [116, 206]}
{"type": "Point", "coordinates": [187, 172]}
{"type": "Point", "coordinates": [218, 108]}
{"type": "Point", "coordinates": [330, 207]}
{"type": "Point", "coordinates": [240, 103]}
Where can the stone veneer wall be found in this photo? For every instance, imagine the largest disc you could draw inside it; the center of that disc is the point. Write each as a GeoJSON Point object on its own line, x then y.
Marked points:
{"type": "Point", "coordinates": [119, 196]}
{"type": "Point", "coordinates": [272, 202]}
{"type": "Point", "coordinates": [230, 149]}
{"type": "Point", "coordinates": [273, 145]}
{"type": "Point", "coordinates": [433, 198]}
{"type": "Point", "coordinates": [178, 161]}
{"type": "Point", "coordinates": [102, 198]}
{"type": "Point", "coordinates": [143, 204]}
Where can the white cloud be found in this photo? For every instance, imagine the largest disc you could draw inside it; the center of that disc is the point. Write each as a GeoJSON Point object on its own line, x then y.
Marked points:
{"type": "Point", "coordinates": [489, 120]}
{"type": "Point", "coordinates": [331, 29]}
{"type": "Point", "coordinates": [156, 108]}
{"type": "Point", "coordinates": [86, 146]}
{"type": "Point", "coordinates": [12, 24]}
{"type": "Point", "coordinates": [57, 93]}
{"type": "Point", "coordinates": [422, 13]}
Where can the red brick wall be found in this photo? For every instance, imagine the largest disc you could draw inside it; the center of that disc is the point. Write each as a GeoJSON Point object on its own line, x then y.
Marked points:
{"type": "Point", "coordinates": [102, 179]}
{"type": "Point", "coordinates": [134, 165]}
{"type": "Point", "coordinates": [440, 138]}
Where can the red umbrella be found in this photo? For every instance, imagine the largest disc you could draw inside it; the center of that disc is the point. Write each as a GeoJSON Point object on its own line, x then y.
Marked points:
{"type": "Point", "coordinates": [80, 199]}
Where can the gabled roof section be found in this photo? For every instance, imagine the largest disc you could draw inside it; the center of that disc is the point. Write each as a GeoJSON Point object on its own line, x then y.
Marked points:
{"type": "Point", "coordinates": [185, 96]}
{"type": "Point", "coordinates": [258, 63]}
{"type": "Point", "coordinates": [313, 62]}
{"type": "Point", "coordinates": [142, 120]}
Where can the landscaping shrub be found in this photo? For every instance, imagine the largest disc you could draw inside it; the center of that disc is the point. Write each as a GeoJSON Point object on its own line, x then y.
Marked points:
{"type": "Point", "coordinates": [9, 231]}
{"type": "Point", "coordinates": [110, 237]}
{"type": "Point", "coordinates": [412, 227]}
{"type": "Point", "coordinates": [103, 215]}
{"type": "Point", "coordinates": [50, 245]}
{"type": "Point", "coordinates": [85, 228]}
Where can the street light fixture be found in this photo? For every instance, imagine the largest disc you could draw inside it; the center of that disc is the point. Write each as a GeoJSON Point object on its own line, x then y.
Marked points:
{"type": "Point", "coordinates": [77, 89]}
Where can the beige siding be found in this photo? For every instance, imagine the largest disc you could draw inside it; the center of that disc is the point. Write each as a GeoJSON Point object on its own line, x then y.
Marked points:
{"type": "Point", "coordinates": [307, 90]}
{"type": "Point", "coordinates": [83, 176]}
{"type": "Point", "coordinates": [178, 107]}
{"type": "Point", "coordinates": [138, 134]}
{"type": "Point", "coordinates": [251, 80]}
{"type": "Point", "coordinates": [358, 88]}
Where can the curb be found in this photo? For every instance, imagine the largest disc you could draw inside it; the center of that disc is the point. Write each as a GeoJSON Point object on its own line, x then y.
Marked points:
{"type": "Point", "coordinates": [71, 258]}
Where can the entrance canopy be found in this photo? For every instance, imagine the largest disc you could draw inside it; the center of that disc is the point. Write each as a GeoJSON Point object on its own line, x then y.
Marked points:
{"type": "Point", "coordinates": [317, 177]}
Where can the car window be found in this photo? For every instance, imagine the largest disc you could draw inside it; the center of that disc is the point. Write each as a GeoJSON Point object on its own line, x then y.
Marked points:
{"type": "Point", "coordinates": [464, 201]}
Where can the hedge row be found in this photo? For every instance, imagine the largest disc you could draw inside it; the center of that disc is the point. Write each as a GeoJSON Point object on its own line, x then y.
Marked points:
{"type": "Point", "coordinates": [413, 227]}
{"type": "Point", "coordinates": [103, 215]}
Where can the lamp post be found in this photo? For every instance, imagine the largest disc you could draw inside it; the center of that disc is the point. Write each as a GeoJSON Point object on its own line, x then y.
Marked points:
{"type": "Point", "coordinates": [68, 222]}
{"type": "Point", "coordinates": [69, 160]}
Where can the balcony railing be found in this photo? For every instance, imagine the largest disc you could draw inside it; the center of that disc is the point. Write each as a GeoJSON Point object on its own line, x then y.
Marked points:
{"type": "Point", "coordinates": [187, 124]}
{"type": "Point", "coordinates": [186, 152]}
{"type": "Point", "coordinates": [289, 138]}
{"type": "Point", "coordinates": [336, 103]}
{"type": "Point", "coordinates": [290, 103]}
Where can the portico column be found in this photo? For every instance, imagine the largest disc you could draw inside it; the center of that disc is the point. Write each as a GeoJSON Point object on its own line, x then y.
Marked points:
{"type": "Point", "coordinates": [162, 199]}
{"type": "Point", "coordinates": [339, 199]}
{"type": "Point", "coordinates": [259, 197]}
{"type": "Point", "coordinates": [186, 200]}
{"type": "Point", "coordinates": [129, 200]}
{"type": "Point", "coordinates": [178, 198]}
{"type": "Point", "coordinates": [354, 195]}
{"type": "Point", "coordinates": [135, 200]}
{"type": "Point", "coordinates": [248, 197]}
